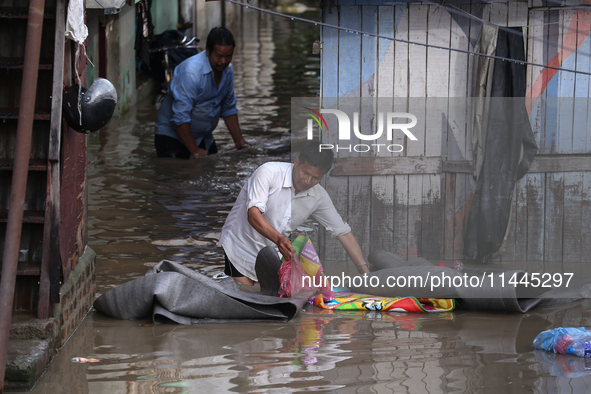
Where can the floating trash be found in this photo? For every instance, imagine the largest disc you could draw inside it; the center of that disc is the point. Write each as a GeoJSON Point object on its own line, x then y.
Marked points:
{"type": "Point", "coordinates": [220, 275]}
{"type": "Point", "coordinates": [565, 340]}
{"type": "Point", "coordinates": [83, 360]}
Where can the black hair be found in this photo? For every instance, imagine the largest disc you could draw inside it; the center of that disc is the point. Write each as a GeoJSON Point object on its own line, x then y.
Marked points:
{"type": "Point", "coordinates": [316, 157]}
{"type": "Point", "coordinates": [219, 36]}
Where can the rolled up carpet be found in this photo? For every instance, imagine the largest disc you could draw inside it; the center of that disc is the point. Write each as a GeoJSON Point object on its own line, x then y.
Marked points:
{"type": "Point", "coordinates": [172, 292]}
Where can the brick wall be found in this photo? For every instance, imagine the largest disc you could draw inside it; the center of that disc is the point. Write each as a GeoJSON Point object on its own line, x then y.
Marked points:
{"type": "Point", "coordinates": [33, 342]}
{"type": "Point", "coordinates": [76, 295]}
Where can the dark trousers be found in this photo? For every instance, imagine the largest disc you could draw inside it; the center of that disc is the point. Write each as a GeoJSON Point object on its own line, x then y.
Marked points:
{"type": "Point", "coordinates": [266, 267]}
{"type": "Point", "coordinates": [171, 147]}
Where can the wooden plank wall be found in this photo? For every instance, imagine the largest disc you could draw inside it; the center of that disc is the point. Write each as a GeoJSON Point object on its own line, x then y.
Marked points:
{"type": "Point", "coordinates": [425, 214]}
{"type": "Point", "coordinates": [557, 202]}
{"type": "Point", "coordinates": [407, 213]}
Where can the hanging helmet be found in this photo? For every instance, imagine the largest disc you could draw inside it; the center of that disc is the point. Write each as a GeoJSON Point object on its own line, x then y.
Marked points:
{"type": "Point", "coordinates": [97, 105]}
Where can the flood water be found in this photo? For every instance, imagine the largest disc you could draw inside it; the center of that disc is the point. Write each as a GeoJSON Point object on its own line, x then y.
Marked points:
{"type": "Point", "coordinates": [143, 210]}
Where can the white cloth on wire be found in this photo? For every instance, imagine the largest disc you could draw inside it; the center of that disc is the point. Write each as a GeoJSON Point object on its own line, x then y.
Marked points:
{"type": "Point", "coordinates": [76, 30]}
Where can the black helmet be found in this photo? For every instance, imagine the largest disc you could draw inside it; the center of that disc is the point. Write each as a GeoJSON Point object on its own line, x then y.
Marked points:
{"type": "Point", "coordinates": [97, 105]}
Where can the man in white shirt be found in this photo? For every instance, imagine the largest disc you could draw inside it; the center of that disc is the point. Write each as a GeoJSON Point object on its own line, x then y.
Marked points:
{"type": "Point", "coordinates": [276, 199]}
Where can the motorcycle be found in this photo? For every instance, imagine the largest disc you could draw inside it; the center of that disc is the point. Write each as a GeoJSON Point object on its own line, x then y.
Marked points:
{"type": "Point", "coordinates": [167, 51]}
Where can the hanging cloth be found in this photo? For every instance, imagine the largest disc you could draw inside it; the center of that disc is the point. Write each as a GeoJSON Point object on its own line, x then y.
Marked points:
{"type": "Point", "coordinates": [144, 32]}
{"type": "Point", "coordinates": [503, 141]}
{"type": "Point", "coordinates": [76, 30]}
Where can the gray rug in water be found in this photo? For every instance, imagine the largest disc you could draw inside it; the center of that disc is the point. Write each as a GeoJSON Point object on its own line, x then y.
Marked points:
{"type": "Point", "coordinates": [172, 293]}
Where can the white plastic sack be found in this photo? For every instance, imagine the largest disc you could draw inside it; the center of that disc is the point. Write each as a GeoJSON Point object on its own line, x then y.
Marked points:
{"type": "Point", "coordinates": [109, 6]}
{"type": "Point", "coordinates": [76, 30]}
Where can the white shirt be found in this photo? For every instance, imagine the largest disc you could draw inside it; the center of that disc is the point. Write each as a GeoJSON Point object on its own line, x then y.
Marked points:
{"type": "Point", "coordinates": [270, 189]}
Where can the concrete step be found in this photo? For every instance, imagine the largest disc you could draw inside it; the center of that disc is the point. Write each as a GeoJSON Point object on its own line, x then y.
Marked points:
{"type": "Point", "coordinates": [31, 346]}
{"type": "Point", "coordinates": [26, 362]}
{"type": "Point", "coordinates": [27, 326]}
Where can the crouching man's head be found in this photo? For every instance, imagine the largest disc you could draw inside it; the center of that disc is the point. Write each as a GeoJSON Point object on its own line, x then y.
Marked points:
{"type": "Point", "coordinates": [310, 166]}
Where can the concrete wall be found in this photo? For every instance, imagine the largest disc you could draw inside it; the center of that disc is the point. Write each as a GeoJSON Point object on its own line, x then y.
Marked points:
{"type": "Point", "coordinates": [120, 31]}
{"type": "Point", "coordinates": [165, 15]}
{"type": "Point", "coordinates": [186, 12]}
{"type": "Point", "coordinates": [209, 15]}
{"type": "Point", "coordinates": [120, 38]}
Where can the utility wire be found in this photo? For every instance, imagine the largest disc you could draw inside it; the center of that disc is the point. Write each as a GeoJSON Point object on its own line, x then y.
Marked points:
{"type": "Point", "coordinates": [355, 31]}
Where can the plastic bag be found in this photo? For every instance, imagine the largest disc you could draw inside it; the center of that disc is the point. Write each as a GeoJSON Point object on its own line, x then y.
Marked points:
{"type": "Point", "coordinates": [563, 340]}
{"type": "Point", "coordinates": [304, 262]}
{"type": "Point", "coordinates": [291, 278]}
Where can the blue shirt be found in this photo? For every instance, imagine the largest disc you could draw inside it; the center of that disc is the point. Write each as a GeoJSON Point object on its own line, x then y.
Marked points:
{"type": "Point", "coordinates": [194, 98]}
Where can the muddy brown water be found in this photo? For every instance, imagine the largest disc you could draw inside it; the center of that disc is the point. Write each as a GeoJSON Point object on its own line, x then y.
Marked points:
{"type": "Point", "coordinates": [143, 210]}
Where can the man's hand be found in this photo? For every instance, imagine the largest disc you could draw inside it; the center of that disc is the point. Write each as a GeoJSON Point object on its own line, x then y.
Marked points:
{"type": "Point", "coordinates": [199, 152]}
{"type": "Point", "coordinates": [260, 224]}
{"type": "Point", "coordinates": [184, 131]}
{"type": "Point", "coordinates": [241, 143]}
{"type": "Point", "coordinates": [284, 246]}
{"type": "Point", "coordinates": [353, 250]}
{"type": "Point", "coordinates": [365, 269]}
{"type": "Point", "coordinates": [235, 132]}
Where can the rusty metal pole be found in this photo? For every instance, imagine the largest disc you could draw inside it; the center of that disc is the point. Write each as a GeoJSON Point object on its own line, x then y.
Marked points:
{"type": "Point", "coordinates": [19, 175]}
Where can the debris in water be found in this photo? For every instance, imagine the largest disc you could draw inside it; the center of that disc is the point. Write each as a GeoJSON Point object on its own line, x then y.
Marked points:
{"type": "Point", "coordinates": [220, 275]}
{"type": "Point", "coordinates": [84, 360]}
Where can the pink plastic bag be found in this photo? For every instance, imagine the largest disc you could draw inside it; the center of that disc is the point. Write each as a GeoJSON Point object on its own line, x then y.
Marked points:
{"type": "Point", "coordinates": [291, 278]}
{"type": "Point", "coordinates": [285, 278]}
{"type": "Point", "coordinates": [302, 277]}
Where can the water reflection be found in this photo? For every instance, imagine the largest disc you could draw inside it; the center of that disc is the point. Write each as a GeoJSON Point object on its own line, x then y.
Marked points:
{"type": "Point", "coordinates": [143, 210]}
{"type": "Point", "coordinates": [334, 352]}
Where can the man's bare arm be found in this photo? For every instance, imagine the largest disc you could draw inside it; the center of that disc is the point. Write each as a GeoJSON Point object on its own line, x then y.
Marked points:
{"type": "Point", "coordinates": [260, 224]}
{"type": "Point", "coordinates": [234, 129]}
{"type": "Point", "coordinates": [351, 245]}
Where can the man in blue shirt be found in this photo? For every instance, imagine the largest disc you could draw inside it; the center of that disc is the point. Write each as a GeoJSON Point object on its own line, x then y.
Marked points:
{"type": "Point", "coordinates": [202, 90]}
